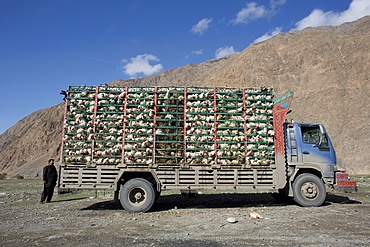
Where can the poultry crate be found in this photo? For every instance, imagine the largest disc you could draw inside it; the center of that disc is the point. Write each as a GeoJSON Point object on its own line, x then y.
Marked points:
{"type": "Point", "coordinates": [168, 127]}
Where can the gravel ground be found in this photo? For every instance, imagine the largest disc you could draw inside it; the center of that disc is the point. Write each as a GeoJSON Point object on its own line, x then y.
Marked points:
{"type": "Point", "coordinates": [86, 220]}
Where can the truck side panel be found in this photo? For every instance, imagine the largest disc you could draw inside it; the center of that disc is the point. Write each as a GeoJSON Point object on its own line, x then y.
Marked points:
{"type": "Point", "coordinates": [172, 131]}
{"type": "Point", "coordinates": [102, 177]}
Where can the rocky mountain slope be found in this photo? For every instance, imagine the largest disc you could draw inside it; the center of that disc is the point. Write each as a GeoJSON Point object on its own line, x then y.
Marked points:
{"type": "Point", "coordinates": [327, 68]}
{"type": "Point", "coordinates": [26, 147]}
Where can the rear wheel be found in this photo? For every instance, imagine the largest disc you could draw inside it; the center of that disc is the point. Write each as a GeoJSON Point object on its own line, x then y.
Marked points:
{"type": "Point", "coordinates": [309, 190]}
{"type": "Point", "coordinates": [137, 195]}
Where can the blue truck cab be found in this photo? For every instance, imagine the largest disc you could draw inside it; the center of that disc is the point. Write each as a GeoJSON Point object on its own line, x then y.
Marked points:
{"type": "Point", "coordinates": [310, 155]}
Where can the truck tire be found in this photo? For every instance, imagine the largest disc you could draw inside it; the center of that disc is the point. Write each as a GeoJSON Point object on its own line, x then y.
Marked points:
{"type": "Point", "coordinates": [309, 190]}
{"type": "Point", "coordinates": [137, 195]}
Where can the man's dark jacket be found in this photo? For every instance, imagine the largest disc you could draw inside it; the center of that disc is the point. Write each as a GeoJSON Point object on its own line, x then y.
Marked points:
{"type": "Point", "coordinates": [50, 176]}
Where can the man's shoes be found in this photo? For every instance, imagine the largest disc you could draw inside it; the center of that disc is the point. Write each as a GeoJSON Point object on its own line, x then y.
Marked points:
{"type": "Point", "coordinates": [41, 202]}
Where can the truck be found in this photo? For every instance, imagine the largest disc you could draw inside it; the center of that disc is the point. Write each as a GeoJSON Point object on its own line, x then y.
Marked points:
{"type": "Point", "coordinates": [140, 141]}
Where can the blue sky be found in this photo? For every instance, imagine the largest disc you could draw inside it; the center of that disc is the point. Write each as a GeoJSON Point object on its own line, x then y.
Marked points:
{"type": "Point", "coordinates": [45, 45]}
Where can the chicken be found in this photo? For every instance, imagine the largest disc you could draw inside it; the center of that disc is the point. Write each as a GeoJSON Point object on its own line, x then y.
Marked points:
{"type": "Point", "coordinates": [254, 215]}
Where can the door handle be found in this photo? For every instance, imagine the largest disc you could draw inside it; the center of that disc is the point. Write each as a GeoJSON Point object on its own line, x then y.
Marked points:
{"type": "Point", "coordinates": [306, 152]}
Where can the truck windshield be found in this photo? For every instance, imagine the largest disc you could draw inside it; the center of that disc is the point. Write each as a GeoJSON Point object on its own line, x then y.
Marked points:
{"type": "Point", "coordinates": [313, 135]}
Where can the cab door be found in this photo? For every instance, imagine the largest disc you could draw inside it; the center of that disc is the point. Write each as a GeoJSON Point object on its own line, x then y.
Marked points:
{"type": "Point", "coordinates": [314, 145]}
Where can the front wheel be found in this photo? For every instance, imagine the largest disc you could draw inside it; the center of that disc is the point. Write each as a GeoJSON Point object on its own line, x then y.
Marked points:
{"type": "Point", "coordinates": [137, 195]}
{"type": "Point", "coordinates": [309, 190]}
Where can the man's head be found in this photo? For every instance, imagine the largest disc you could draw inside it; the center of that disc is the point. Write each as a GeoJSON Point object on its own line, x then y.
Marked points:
{"type": "Point", "coordinates": [51, 162]}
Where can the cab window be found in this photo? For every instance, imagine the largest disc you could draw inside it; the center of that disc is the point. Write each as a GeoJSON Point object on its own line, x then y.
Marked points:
{"type": "Point", "coordinates": [313, 135]}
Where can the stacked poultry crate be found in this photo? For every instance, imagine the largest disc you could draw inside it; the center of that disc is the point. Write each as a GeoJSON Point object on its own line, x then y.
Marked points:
{"type": "Point", "coordinates": [139, 119]}
{"type": "Point", "coordinates": [93, 125]}
{"type": "Point", "coordinates": [259, 127]}
{"type": "Point", "coordinates": [79, 123]}
{"type": "Point", "coordinates": [169, 135]}
{"type": "Point", "coordinates": [200, 127]}
{"type": "Point", "coordinates": [169, 126]}
{"type": "Point", "coordinates": [108, 126]}
{"type": "Point", "coordinates": [230, 127]}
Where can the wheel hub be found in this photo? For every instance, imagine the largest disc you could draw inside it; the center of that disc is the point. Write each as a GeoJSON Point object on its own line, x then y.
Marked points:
{"type": "Point", "coordinates": [309, 190]}
{"type": "Point", "coordinates": [137, 196]}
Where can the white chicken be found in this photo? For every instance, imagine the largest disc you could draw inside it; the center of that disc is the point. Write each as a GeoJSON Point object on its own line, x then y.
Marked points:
{"type": "Point", "coordinates": [254, 215]}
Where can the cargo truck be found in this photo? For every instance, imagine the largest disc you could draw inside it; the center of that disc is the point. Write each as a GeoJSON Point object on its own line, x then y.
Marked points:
{"type": "Point", "coordinates": [139, 141]}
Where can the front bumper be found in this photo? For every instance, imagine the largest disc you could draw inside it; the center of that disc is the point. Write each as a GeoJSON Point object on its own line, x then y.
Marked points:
{"type": "Point", "coordinates": [343, 183]}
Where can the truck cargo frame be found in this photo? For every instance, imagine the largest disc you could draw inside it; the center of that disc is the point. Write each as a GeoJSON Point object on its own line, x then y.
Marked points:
{"type": "Point", "coordinates": [185, 138]}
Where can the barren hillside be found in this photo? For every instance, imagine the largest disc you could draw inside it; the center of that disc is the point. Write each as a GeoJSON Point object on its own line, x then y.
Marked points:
{"type": "Point", "coordinates": [327, 68]}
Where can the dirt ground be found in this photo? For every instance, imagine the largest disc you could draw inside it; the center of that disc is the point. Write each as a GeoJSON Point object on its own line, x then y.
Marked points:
{"type": "Point", "coordinates": [94, 219]}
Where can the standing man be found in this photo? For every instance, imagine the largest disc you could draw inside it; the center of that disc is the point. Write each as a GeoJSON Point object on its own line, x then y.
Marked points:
{"type": "Point", "coordinates": [50, 177]}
